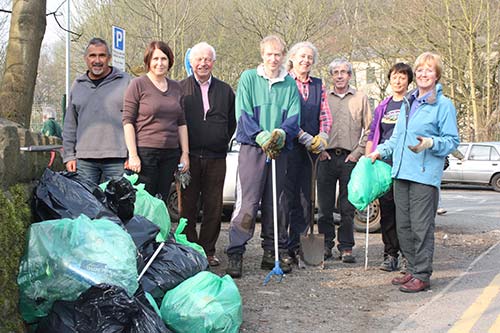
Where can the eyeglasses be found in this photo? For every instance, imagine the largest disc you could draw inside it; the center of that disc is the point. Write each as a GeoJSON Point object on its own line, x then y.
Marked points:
{"type": "Point", "coordinates": [342, 72]}
{"type": "Point", "coordinates": [422, 71]}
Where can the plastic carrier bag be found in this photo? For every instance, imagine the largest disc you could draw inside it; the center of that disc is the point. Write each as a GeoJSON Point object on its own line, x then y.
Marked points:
{"type": "Point", "coordinates": [368, 182]}
{"type": "Point", "coordinates": [203, 303]}
{"type": "Point", "coordinates": [152, 208]}
{"type": "Point", "coordinates": [66, 257]}
{"type": "Point", "coordinates": [182, 238]}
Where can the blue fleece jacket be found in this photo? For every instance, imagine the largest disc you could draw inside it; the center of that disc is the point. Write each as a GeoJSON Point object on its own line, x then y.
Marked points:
{"type": "Point", "coordinates": [435, 118]}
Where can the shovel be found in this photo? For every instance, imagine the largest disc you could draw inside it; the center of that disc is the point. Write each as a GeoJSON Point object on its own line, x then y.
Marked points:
{"type": "Point", "coordinates": [312, 247]}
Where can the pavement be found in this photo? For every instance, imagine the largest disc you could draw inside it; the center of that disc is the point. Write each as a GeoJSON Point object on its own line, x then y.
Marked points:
{"type": "Point", "coordinates": [470, 303]}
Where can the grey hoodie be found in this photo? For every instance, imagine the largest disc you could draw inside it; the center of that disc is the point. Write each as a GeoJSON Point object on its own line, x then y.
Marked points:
{"type": "Point", "coordinates": [93, 122]}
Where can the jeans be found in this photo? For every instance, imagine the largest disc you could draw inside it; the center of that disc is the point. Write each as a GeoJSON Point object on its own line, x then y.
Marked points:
{"type": "Point", "coordinates": [100, 169]}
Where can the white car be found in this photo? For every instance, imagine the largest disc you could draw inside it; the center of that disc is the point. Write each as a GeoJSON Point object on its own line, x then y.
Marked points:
{"type": "Point", "coordinates": [229, 195]}
{"type": "Point", "coordinates": [480, 165]}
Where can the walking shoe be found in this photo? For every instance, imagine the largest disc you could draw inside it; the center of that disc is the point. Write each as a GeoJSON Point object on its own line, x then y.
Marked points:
{"type": "Point", "coordinates": [414, 286]}
{"type": "Point", "coordinates": [286, 262]}
{"type": "Point", "coordinates": [403, 265]}
{"type": "Point", "coordinates": [347, 257]}
{"type": "Point", "coordinates": [402, 280]}
{"type": "Point", "coordinates": [235, 265]}
{"type": "Point", "coordinates": [268, 260]}
{"type": "Point", "coordinates": [441, 211]}
{"type": "Point", "coordinates": [328, 253]}
{"type": "Point", "coordinates": [213, 261]}
{"type": "Point", "coordinates": [390, 264]}
{"type": "Point", "coordinates": [294, 255]}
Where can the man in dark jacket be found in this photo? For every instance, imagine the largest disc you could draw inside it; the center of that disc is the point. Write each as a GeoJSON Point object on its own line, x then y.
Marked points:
{"type": "Point", "coordinates": [209, 108]}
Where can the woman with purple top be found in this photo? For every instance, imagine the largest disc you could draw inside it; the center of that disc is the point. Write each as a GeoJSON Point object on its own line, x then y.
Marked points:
{"type": "Point", "coordinates": [384, 119]}
{"type": "Point", "coordinates": [154, 123]}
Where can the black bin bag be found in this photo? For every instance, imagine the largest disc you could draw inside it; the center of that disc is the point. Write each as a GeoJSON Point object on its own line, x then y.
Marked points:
{"type": "Point", "coordinates": [64, 195]}
{"type": "Point", "coordinates": [174, 264]}
{"type": "Point", "coordinates": [103, 309]}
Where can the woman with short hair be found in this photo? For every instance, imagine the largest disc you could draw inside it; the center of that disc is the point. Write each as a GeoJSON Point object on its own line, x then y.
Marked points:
{"type": "Point", "coordinates": [425, 133]}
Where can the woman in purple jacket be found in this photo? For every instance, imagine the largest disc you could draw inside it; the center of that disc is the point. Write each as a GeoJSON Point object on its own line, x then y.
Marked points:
{"type": "Point", "coordinates": [384, 119]}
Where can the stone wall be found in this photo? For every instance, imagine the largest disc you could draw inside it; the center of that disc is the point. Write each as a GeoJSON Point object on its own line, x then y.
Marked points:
{"type": "Point", "coordinates": [18, 171]}
{"type": "Point", "coordinates": [22, 167]}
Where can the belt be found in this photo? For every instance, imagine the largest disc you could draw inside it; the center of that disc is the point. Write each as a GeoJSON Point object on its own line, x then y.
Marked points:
{"type": "Point", "coordinates": [338, 151]}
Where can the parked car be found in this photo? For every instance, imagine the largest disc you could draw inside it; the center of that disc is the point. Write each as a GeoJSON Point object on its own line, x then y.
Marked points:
{"type": "Point", "coordinates": [229, 196]}
{"type": "Point", "coordinates": [480, 165]}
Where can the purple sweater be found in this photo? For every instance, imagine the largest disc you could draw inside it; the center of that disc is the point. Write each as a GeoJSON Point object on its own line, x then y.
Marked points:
{"type": "Point", "coordinates": [374, 135]}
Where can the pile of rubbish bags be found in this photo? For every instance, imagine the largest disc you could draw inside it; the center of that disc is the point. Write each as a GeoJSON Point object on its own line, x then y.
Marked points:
{"type": "Point", "coordinates": [103, 259]}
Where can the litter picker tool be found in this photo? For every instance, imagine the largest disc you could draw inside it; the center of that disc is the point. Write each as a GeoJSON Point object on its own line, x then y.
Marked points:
{"type": "Point", "coordinates": [311, 245]}
{"type": "Point", "coordinates": [366, 236]}
{"type": "Point", "coordinates": [277, 269]}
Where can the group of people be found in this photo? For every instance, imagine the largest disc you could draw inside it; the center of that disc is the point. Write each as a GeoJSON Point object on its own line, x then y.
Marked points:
{"type": "Point", "coordinates": [153, 126]}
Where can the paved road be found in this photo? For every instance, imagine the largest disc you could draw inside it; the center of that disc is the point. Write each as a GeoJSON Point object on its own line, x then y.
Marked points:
{"type": "Point", "coordinates": [470, 210]}
{"type": "Point", "coordinates": [471, 302]}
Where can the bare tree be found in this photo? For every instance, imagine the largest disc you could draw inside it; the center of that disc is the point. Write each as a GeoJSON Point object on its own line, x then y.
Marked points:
{"type": "Point", "coordinates": [25, 38]}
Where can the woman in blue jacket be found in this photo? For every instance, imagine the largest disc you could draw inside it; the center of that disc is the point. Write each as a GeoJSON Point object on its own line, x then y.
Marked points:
{"type": "Point", "coordinates": [425, 133]}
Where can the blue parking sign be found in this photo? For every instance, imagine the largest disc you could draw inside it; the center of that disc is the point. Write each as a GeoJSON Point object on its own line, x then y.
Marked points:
{"type": "Point", "coordinates": [118, 38]}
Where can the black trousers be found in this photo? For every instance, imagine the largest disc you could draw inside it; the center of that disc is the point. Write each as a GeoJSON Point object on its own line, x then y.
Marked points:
{"type": "Point", "coordinates": [388, 224]}
{"type": "Point", "coordinates": [157, 169]}
{"type": "Point", "coordinates": [329, 172]}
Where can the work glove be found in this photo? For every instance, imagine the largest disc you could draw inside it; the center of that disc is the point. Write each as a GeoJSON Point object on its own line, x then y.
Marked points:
{"type": "Point", "coordinates": [278, 137]}
{"type": "Point", "coordinates": [318, 143]}
{"type": "Point", "coordinates": [306, 139]}
{"type": "Point", "coordinates": [424, 143]}
{"type": "Point", "coordinates": [263, 139]}
{"type": "Point", "coordinates": [271, 143]}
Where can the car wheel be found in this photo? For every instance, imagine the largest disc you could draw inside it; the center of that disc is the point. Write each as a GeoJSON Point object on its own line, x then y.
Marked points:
{"type": "Point", "coordinates": [495, 182]}
{"type": "Point", "coordinates": [374, 222]}
{"type": "Point", "coordinates": [172, 204]}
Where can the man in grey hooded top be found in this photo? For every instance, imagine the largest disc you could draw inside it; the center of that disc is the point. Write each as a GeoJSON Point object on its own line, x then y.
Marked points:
{"type": "Point", "coordinates": [93, 139]}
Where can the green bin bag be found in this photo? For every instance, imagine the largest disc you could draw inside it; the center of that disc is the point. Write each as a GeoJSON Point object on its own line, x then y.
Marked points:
{"type": "Point", "coordinates": [66, 257]}
{"type": "Point", "coordinates": [203, 303]}
{"type": "Point", "coordinates": [150, 207]}
{"type": "Point", "coordinates": [368, 182]}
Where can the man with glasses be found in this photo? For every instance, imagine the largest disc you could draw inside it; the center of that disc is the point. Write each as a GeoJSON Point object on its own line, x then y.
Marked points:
{"type": "Point", "coordinates": [351, 118]}
{"type": "Point", "coordinates": [209, 109]}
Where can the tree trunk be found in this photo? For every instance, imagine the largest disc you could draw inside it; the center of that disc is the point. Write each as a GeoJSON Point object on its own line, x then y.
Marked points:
{"type": "Point", "coordinates": [27, 28]}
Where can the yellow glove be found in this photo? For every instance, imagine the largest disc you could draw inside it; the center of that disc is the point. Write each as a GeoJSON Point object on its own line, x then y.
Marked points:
{"type": "Point", "coordinates": [319, 143]}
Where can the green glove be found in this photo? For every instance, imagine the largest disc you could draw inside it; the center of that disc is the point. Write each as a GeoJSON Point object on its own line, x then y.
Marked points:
{"type": "Point", "coordinates": [263, 139]}
{"type": "Point", "coordinates": [278, 137]}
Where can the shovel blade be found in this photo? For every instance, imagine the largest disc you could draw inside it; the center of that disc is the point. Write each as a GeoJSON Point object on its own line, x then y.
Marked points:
{"type": "Point", "coordinates": [312, 249]}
